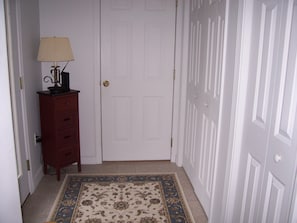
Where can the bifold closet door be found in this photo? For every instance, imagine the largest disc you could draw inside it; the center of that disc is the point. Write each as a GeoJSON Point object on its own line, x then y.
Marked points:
{"type": "Point", "coordinates": [207, 24]}
{"type": "Point", "coordinates": [268, 158]}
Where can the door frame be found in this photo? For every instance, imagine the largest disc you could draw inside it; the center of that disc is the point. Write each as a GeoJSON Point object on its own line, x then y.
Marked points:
{"type": "Point", "coordinates": [13, 76]}
{"type": "Point", "coordinates": [179, 85]}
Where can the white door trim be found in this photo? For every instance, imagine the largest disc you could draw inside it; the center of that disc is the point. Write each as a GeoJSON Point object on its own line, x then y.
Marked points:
{"type": "Point", "coordinates": [180, 83]}
{"type": "Point", "coordinates": [97, 81]}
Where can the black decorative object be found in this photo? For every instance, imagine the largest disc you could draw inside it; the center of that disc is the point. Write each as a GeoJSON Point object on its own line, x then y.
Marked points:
{"type": "Point", "coordinates": [65, 81]}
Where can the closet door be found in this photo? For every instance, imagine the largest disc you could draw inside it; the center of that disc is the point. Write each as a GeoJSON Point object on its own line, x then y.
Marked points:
{"type": "Point", "coordinates": [268, 156]}
{"type": "Point", "coordinates": [203, 94]}
{"type": "Point", "coordinates": [280, 166]}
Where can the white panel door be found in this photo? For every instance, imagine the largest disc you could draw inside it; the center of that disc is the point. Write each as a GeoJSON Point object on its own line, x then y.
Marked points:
{"type": "Point", "coordinates": [203, 94]}
{"type": "Point", "coordinates": [137, 52]}
{"type": "Point", "coordinates": [268, 159]}
{"type": "Point", "coordinates": [282, 146]}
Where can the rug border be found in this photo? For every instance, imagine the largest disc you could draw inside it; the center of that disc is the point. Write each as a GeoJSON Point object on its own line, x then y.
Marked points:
{"type": "Point", "coordinates": [61, 190]}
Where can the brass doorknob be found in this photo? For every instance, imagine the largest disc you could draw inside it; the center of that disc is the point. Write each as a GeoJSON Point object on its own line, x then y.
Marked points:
{"type": "Point", "coordinates": [106, 83]}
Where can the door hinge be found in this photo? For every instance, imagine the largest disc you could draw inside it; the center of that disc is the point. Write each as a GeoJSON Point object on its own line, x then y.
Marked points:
{"type": "Point", "coordinates": [174, 74]}
{"type": "Point", "coordinates": [21, 83]}
{"type": "Point", "coordinates": [28, 165]}
{"type": "Point", "coordinates": [171, 142]}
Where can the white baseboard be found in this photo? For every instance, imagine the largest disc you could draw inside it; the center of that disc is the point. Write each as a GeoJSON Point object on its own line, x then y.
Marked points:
{"type": "Point", "coordinates": [36, 179]}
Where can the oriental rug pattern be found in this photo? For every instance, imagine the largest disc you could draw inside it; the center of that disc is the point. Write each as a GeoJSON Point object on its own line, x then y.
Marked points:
{"type": "Point", "coordinates": [146, 198]}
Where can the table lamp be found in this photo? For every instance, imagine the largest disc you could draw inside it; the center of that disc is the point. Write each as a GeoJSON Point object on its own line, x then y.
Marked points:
{"type": "Point", "coordinates": [55, 49]}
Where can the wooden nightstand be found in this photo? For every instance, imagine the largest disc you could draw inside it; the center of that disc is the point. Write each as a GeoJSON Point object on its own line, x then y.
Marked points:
{"type": "Point", "coordinates": [59, 129]}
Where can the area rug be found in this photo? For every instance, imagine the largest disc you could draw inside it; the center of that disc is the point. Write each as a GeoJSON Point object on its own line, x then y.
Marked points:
{"type": "Point", "coordinates": [121, 198]}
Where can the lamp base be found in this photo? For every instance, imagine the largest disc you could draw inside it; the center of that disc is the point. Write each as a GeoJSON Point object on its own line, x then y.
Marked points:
{"type": "Point", "coordinates": [56, 90]}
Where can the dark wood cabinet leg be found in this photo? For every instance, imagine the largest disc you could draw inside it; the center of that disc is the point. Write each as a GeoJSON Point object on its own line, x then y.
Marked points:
{"type": "Point", "coordinates": [58, 173]}
{"type": "Point", "coordinates": [44, 168]}
{"type": "Point", "coordinates": [79, 166]}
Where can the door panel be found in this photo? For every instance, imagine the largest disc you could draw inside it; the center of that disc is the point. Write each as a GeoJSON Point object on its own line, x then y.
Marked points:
{"type": "Point", "coordinates": [122, 118]}
{"type": "Point", "coordinates": [203, 95]}
{"type": "Point", "coordinates": [137, 60]}
{"type": "Point", "coordinates": [251, 189]}
{"type": "Point", "coordinates": [274, 196]}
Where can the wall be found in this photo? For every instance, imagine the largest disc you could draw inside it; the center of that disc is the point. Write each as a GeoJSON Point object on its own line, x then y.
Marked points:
{"type": "Point", "coordinates": [10, 209]}
{"type": "Point", "coordinates": [80, 21]}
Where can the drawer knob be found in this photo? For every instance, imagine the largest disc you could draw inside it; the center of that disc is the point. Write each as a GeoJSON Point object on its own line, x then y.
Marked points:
{"type": "Point", "coordinates": [277, 158]}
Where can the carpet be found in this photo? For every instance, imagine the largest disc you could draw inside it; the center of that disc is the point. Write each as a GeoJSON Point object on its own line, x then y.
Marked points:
{"type": "Point", "coordinates": [121, 198]}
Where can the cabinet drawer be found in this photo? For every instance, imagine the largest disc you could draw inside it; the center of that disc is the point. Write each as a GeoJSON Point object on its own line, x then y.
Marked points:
{"type": "Point", "coordinates": [66, 103]}
{"type": "Point", "coordinates": [67, 156]}
{"type": "Point", "coordinates": [67, 137]}
{"type": "Point", "coordinates": [67, 120]}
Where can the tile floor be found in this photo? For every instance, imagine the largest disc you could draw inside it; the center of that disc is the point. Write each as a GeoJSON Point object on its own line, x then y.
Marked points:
{"type": "Point", "coordinates": [38, 205]}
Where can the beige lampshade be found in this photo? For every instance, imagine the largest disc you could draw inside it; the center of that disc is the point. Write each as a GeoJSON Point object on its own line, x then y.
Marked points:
{"type": "Point", "coordinates": [55, 49]}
